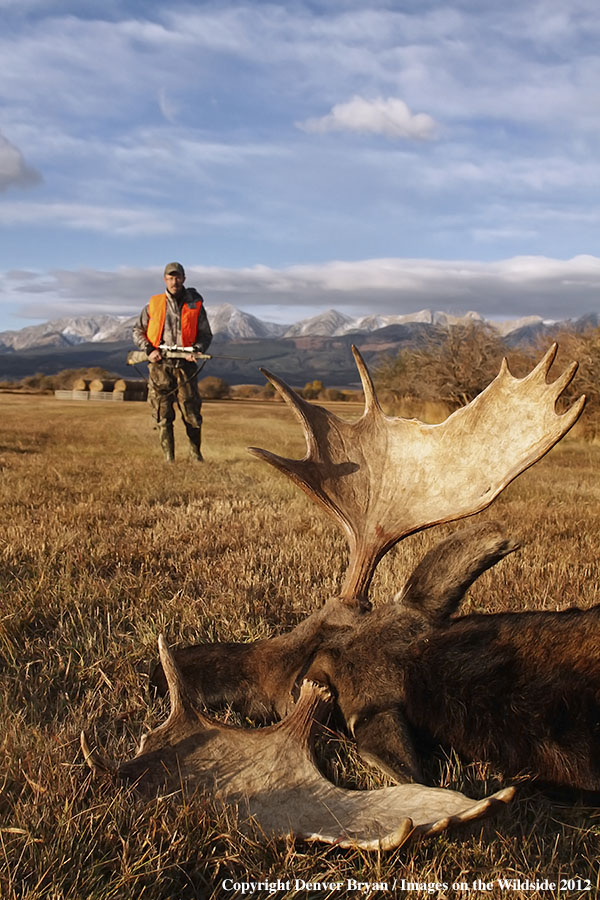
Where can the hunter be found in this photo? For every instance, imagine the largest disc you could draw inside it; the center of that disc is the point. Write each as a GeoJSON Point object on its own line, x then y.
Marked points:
{"type": "Point", "coordinates": [175, 318]}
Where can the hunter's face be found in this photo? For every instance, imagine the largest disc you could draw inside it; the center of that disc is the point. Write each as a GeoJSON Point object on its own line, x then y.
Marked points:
{"type": "Point", "coordinates": [174, 282]}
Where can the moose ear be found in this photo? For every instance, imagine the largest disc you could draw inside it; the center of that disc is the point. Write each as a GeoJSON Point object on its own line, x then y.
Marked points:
{"type": "Point", "coordinates": [443, 576]}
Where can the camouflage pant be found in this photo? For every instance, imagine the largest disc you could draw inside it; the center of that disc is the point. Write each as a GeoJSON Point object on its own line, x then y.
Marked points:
{"type": "Point", "coordinates": [169, 385]}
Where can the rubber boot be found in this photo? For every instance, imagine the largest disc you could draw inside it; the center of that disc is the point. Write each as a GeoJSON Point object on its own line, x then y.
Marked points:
{"type": "Point", "coordinates": [194, 436]}
{"type": "Point", "coordinates": [167, 440]}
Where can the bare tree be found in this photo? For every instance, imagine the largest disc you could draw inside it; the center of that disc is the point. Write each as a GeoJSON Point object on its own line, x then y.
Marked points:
{"type": "Point", "coordinates": [454, 368]}
{"type": "Point", "coordinates": [213, 388]}
{"type": "Point", "coordinates": [585, 347]}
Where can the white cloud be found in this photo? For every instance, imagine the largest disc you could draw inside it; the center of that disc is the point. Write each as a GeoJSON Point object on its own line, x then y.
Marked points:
{"type": "Point", "coordinates": [14, 171]}
{"type": "Point", "coordinates": [104, 219]}
{"type": "Point", "coordinates": [390, 117]}
{"type": "Point", "coordinates": [551, 288]}
{"type": "Point", "coordinates": [119, 221]}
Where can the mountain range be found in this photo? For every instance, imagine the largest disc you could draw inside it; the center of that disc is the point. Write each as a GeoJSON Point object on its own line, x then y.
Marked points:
{"type": "Point", "coordinates": [232, 323]}
{"type": "Point", "coordinates": [315, 347]}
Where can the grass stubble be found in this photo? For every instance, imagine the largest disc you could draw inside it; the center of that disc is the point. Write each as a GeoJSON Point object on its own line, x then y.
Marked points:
{"type": "Point", "coordinates": [103, 546]}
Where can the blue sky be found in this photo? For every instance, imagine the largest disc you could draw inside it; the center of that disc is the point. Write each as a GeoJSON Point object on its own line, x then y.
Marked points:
{"type": "Point", "coordinates": [295, 156]}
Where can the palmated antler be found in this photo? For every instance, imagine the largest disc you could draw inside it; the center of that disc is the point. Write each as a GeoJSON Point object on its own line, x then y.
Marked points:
{"type": "Point", "coordinates": [269, 776]}
{"type": "Point", "coordinates": [383, 478]}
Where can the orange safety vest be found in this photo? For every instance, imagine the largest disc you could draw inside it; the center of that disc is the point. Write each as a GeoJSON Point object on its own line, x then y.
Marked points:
{"type": "Point", "coordinates": [157, 311]}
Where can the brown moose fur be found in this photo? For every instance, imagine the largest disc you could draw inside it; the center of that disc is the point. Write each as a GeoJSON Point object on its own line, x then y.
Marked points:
{"type": "Point", "coordinates": [521, 689]}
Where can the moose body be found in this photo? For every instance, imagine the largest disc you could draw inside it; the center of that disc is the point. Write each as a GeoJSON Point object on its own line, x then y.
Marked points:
{"type": "Point", "coordinates": [520, 689]}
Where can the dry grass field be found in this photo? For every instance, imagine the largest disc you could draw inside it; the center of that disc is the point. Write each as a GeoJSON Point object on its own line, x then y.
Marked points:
{"type": "Point", "coordinates": [103, 546]}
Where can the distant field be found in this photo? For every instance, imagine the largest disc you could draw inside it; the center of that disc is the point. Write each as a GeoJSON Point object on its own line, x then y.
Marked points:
{"type": "Point", "coordinates": [103, 546]}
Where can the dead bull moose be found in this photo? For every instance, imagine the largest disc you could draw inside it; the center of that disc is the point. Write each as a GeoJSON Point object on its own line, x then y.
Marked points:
{"type": "Point", "coordinates": [522, 689]}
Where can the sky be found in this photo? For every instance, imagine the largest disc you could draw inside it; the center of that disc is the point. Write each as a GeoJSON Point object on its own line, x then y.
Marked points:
{"type": "Point", "coordinates": [379, 157]}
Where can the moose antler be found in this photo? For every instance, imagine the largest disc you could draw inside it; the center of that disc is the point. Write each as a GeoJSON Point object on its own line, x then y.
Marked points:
{"type": "Point", "coordinates": [383, 478]}
{"type": "Point", "coordinates": [269, 776]}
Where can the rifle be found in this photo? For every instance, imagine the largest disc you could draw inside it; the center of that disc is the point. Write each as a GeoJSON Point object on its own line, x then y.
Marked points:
{"type": "Point", "coordinates": [172, 351]}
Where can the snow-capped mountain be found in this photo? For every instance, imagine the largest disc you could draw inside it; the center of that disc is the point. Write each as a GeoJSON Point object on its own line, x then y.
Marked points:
{"type": "Point", "coordinates": [234, 324]}
{"type": "Point", "coordinates": [226, 319]}
{"type": "Point", "coordinates": [325, 324]}
{"type": "Point", "coordinates": [512, 325]}
{"type": "Point", "coordinates": [333, 323]}
{"type": "Point", "coordinates": [67, 332]}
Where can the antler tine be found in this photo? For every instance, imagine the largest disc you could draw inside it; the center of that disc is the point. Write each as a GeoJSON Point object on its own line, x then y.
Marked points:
{"type": "Point", "coordinates": [477, 811]}
{"type": "Point", "coordinates": [303, 409]}
{"type": "Point", "coordinates": [541, 371]}
{"type": "Point", "coordinates": [545, 363]}
{"type": "Point", "coordinates": [314, 702]}
{"type": "Point", "coordinates": [539, 376]}
{"type": "Point", "coordinates": [312, 471]}
{"type": "Point", "coordinates": [571, 415]}
{"type": "Point", "coordinates": [371, 401]}
{"type": "Point", "coordinates": [184, 717]}
{"type": "Point", "coordinates": [181, 703]}
{"type": "Point", "coordinates": [299, 406]}
{"type": "Point", "coordinates": [565, 379]}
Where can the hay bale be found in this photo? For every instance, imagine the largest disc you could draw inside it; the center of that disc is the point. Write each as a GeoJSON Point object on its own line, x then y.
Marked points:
{"type": "Point", "coordinates": [81, 384]}
{"type": "Point", "coordinates": [130, 389]}
{"type": "Point", "coordinates": [130, 385]}
{"type": "Point", "coordinates": [102, 385]}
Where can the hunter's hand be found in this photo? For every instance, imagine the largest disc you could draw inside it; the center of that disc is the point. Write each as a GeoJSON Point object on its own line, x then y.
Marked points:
{"type": "Point", "coordinates": [155, 356]}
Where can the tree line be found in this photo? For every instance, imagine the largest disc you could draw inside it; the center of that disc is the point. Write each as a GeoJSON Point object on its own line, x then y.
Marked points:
{"type": "Point", "coordinates": [211, 387]}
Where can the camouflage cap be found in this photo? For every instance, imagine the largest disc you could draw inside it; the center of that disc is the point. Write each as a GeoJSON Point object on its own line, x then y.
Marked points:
{"type": "Point", "coordinates": [174, 268]}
